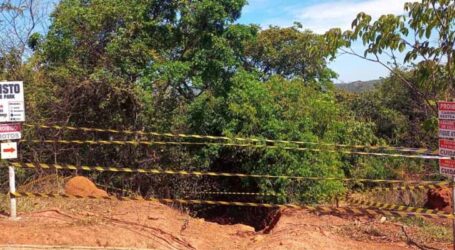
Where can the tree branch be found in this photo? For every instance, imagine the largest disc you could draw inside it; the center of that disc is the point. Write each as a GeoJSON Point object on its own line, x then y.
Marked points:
{"type": "Point", "coordinates": [400, 76]}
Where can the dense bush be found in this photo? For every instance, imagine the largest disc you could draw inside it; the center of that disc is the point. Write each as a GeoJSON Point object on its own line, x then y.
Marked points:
{"type": "Point", "coordinates": [188, 67]}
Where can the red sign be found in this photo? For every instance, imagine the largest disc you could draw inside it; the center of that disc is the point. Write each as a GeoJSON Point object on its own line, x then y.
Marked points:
{"type": "Point", "coordinates": [446, 106]}
{"type": "Point", "coordinates": [10, 127]}
{"type": "Point", "coordinates": [447, 124]}
{"type": "Point", "coordinates": [447, 148]}
{"type": "Point", "coordinates": [446, 110]}
{"type": "Point", "coordinates": [447, 166]}
{"type": "Point", "coordinates": [10, 131]}
{"type": "Point", "coordinates": [446, 129]}
{"type": "Point", "coordinates": [448, 144]}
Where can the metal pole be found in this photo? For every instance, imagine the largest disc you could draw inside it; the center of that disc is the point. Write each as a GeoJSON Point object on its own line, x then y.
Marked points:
{"type": "Point", "coordinates": [12, 189]}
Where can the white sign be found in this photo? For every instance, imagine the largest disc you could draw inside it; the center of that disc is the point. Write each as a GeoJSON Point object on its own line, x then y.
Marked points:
{"type": "Point", "coordinates": [446, 110]}
{"type": "Point", "coordinates": [9, 150]}
{"type": "Point", "coordinates": [10, 131]}
{"type": "Point", "coordinates": [447, 129]}
{"type": "Point", "coordinates": [12, 108]}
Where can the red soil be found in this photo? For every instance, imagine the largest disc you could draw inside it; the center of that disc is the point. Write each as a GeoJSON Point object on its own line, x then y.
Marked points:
{"type": "Point", "coordinates": [440, 198]}
{"type": "Point", "coordinates": [82, 186]}
{"type": "Point", "coordinates": [142, 224]}
{"type": "Point", "coordinates": [154, 225]}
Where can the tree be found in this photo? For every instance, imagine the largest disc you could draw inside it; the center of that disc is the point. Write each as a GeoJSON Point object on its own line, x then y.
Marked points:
{"type": "Point", "coordinates": [290, 53]}
{"type": "Point", "coordinates": [186, 67]}
{"type": "Point", "coordinates": [278, 109]}
{"type": "Point", "coordinates": [426, 34]}
{"type": "Point", "coordinates": [20, 19]}
{"type": "Point", "coordinates": [184, 47]}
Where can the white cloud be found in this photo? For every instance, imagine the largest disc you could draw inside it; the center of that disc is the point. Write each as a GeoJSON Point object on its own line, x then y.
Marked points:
{"type": "Point", "coordinates": [321, 17]}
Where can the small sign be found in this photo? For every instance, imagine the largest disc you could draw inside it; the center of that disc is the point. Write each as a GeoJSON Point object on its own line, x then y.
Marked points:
{"type": "Point", "coordinates": [10, 131]}
{"type": "Point", "coordinates": [447, 129]}
{"type": "Point", "coordinates": [446, 148]}
{"type": "Point", "coordinates": [446, 113]}
{"type": "Point", "coordinates": [12, 108]}
{"type": "Point", "coordinates": [9, 150]}
{"type": "Point", "coordinates": [446, 110]}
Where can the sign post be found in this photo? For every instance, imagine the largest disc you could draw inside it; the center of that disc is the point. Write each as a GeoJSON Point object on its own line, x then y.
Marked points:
{"type": "Point", "coordinates": [12, 111]}
{"type": "Point", "coordinates": [12, 189]}
{"type": "Point", "coordinates": [446, 115]}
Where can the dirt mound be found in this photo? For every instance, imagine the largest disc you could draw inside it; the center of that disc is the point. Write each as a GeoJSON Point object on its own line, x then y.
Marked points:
{"type": "Point", "coordinates": [141, 224]}
{"type": "Point", "coordinates": [440, 198]}
{"type": "Point", "coordinates": [82, 186]}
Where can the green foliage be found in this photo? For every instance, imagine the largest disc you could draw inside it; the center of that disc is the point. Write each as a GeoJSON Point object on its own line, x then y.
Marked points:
{"type": "Point", "coordinates": [425, 34]}
{"type": "Point", "coordinates": [399, 117]}
{"type": "Point", "coordinates": [290, 53]}
{"type": "Point", "coordinates": [187, 67]}
{"type": "Point", "coordinates": [278, 109]}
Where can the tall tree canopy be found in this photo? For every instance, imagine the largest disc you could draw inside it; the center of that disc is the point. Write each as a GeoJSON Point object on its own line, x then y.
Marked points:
{"type": "Point", "coordinates": [189, 67]}
{"type": "Point", "coordinates": [181, 46]}
{"type": "Point", "coordinates": [291, 53]}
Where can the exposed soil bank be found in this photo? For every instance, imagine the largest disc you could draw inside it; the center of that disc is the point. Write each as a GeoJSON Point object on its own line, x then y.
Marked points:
{"type": "Point", "coordinates": [154, 225]}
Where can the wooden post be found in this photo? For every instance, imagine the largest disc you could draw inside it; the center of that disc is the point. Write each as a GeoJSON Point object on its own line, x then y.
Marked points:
{"type": "Point", "coordinates": [12, 189]}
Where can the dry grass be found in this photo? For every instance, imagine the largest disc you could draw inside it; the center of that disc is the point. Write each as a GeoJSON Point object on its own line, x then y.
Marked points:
{"type": "Point", "coordinates": [430, 230]}
{"type": "Point", "coordinates": [416, 198]}
{"type": "Point", "coordinates": [421, 230]}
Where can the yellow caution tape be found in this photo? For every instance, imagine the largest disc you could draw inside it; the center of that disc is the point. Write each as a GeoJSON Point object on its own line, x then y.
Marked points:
{"type": "Point", "coordinates": [359, 211]}
{"type": "Point", "coordinates": [237, 193]}
{"type": "Point", "coordinates": [255, 140]}
{"type": "Point", "coordinates": [150, 143]}
{"type": "Point", "coordinates": [395, 207]}
{"type": "Point", "coordinates": [203, 173]}
{"type": "Point", "coordinates": [116, 189]}
{"type": "Point", "coordinates": [409, 187]}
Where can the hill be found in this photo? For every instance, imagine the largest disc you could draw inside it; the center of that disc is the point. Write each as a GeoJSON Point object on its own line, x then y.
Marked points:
{"type": "Point", "coordinates": [359, 86]}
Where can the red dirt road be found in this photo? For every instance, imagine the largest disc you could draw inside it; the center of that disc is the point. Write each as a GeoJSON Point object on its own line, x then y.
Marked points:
{"type": "Point", "coordinates": [157, 226]}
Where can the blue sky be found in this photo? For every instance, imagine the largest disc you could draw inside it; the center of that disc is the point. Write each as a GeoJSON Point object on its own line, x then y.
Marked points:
{"type": "Point", "coordinates": [320, 16]}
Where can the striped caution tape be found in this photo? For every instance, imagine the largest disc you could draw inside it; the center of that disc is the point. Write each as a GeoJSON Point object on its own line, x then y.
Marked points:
{"type": "Point", "coordinates": [116, 189]}
{"type": "Point", "coordinates": [201, 192]}
{"type": "Point", "coordinates": [174, 143]}
{"type": "Point", "coordinates": [255, 140]}
{"type": "Point", "coordinates": [359, 211]}
{"type": "Point", "coordinates": [395, 207]}
{"type": "Point", "coordinates": [238, 193]}
{"type": "Point", "coordinates": [202, 173]}
{"type": "Point", "coordinates": [409, 187]}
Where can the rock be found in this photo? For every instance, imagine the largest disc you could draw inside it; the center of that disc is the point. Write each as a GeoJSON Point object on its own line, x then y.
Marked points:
{"type": "Point", "coordinates": [258, 238]}
{"type": "Point", "coordinates": [439, 198]}
{"type": "Point", "coordinates": [244, 228]}
{"type": "Point", "coordinates": [82, 186]}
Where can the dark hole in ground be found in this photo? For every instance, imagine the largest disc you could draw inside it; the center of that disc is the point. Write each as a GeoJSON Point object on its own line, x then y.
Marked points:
{"type": "Point", "coordinates": [262, 219]}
